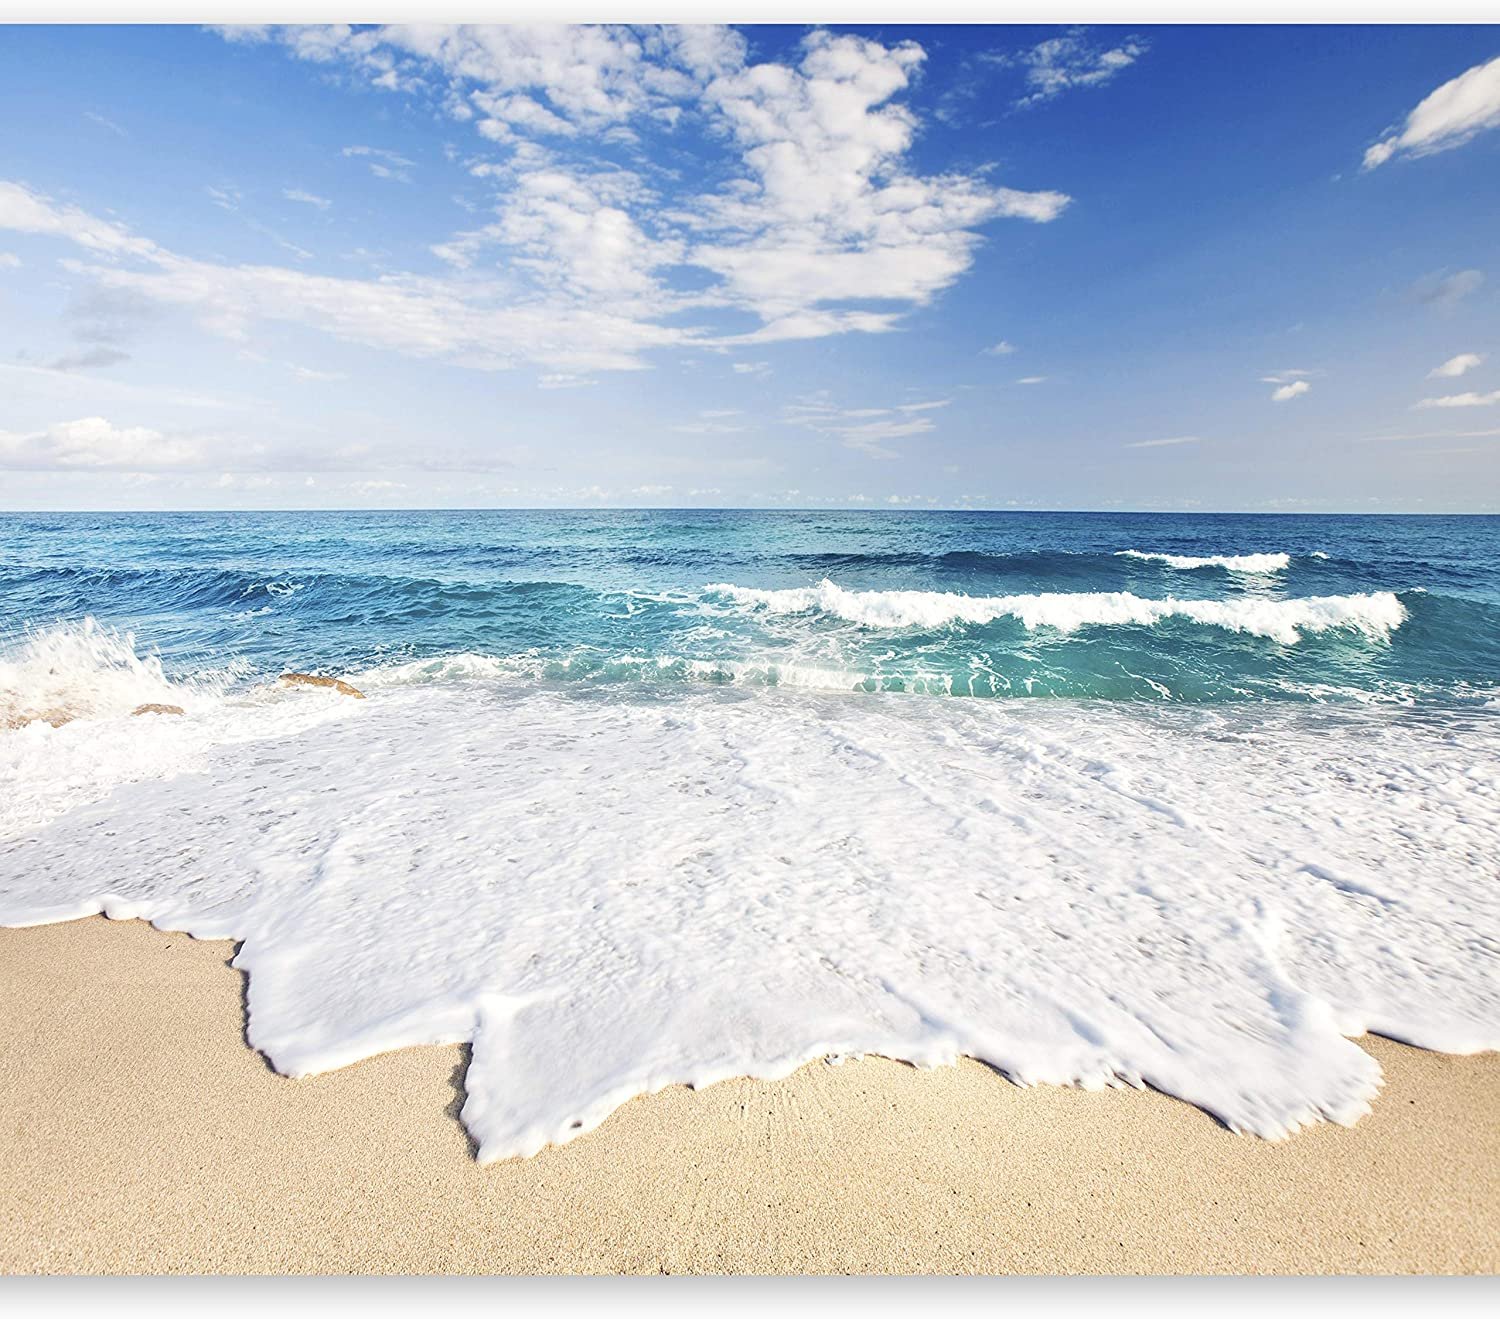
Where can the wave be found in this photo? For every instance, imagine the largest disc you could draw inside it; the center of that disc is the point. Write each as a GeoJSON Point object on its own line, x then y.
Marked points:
{"type": "Point", "coordinates": [1239, 563]}
{"type": "Point", "coordinates": [1374, 615]}
{"type": "Point", "coordinates": [86, 671]}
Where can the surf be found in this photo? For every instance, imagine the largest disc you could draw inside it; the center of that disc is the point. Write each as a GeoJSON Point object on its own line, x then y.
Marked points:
{"type": "Point", "coordinates": [1374, 615]}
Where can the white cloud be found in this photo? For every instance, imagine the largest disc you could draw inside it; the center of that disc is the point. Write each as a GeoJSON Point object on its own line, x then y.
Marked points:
{"type": "Point", "coordinates": [828, 213]}
{"type": "Point", "coordinates": [821, 210]}
{"type": "Point", "coordinates": [752, 368]}
{"type": "Point", "coordinates": [92, 443]}
{"type": "Point", "coordinates": [1060, 63]}
{"type": "Point", "coordinates": [24, 211]}
{"type": "Point", "coordinates": [1002, 349]}
{"type": "Point", "coordinates": [1456, 366]}
{"type": "Point", "coordinates": [1469, 400]}
{"type": "Point", "coordinates": [1170, 441]}
{"type": "Point", "coordinates": [473, 322]}
{"type": "Point", "coordinates": [1033, 380]}
{"type": "Point", "coordinates": [1291, 384]}
{"type": "Point", "coordinates": [573, 232]}
{"type": "Point", "coordinates": [1446, 118]}
{"type": "Point", "coordinates": [9, 261]}
{"type": "Point", "coordinates": [547, 77]}
{"type": "Point", "coordinates": [307, 198]}
{"type": "Point", "coordinates": [577, 268]}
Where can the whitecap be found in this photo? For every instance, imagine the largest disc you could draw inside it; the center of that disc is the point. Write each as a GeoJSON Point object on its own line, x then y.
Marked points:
{"type": "Point", "coordinates": [1374, 615]}
{"type": "Point", "coordinates": [1238, 563]}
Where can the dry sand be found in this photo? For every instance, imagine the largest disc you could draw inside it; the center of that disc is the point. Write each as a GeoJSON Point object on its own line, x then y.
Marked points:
{"type": "Point", "coordinates": [141, 1134]}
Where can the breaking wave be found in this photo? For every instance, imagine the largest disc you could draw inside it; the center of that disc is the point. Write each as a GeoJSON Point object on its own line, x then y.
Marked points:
{"type": "Point", "coordinates": [86, 671]}
{"type": "Point", "coordinates": [1240, 563]}
{"type": "Point", "coordinates": [1374, 615]}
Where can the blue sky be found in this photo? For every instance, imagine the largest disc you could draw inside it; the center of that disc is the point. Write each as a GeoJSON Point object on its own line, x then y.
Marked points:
{"type": "Point", "coordinates": [1200, 268]}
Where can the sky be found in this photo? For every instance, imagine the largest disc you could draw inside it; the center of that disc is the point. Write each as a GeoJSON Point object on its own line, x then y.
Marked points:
{"type": "Point", "coordinates": [1220, 268]}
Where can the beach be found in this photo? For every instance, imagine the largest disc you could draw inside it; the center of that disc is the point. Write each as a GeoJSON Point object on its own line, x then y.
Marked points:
{"type": "Point", "coordinates": [142, 1134]}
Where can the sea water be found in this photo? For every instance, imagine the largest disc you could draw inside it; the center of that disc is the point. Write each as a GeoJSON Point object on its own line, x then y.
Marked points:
{"type": "Point", "coordinates": [653, 797]}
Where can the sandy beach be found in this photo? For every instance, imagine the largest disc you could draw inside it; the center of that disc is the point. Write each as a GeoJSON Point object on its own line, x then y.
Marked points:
{"type": "Point", "coordinates": [141, 1134]}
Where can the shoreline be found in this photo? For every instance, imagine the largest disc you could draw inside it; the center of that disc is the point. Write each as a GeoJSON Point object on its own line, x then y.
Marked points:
{"type": "Point", "coordinates": [142, 1134]}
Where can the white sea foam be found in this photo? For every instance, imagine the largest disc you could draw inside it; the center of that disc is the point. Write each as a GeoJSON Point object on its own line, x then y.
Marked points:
{"type": "Point", "coordinates": [1240, 563]}
{"type": "Point", "coordinates": [1375, 614]}
{"type": "Point", "coordinates": [82, 670]}
{"type": "Point", "coordinates": [749, 671]}
{"type": "Point", "coordinates": [608, 896]}
{"type": "Point", "coordinates": [88, 679]}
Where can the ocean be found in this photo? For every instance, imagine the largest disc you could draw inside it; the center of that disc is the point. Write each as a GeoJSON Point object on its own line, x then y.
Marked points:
{"type": "Point", "coordinates": [638, 798]}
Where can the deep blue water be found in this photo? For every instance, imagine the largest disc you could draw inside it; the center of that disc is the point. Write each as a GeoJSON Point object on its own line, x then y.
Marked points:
{"type": "Point", "coordinates": [621, 598]}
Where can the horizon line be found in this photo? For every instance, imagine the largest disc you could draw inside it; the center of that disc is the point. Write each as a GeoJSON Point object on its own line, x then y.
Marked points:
{"type": "Point", "coordinates": [775, 508]}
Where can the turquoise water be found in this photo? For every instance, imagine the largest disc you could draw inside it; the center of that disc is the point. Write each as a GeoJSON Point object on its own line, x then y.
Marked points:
{"type": "Point", "coordinates": [624, 598]}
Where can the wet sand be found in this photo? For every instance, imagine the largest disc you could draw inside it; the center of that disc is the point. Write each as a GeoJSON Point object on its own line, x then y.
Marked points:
{"type": "Point", "coordinates": [141, 1134]}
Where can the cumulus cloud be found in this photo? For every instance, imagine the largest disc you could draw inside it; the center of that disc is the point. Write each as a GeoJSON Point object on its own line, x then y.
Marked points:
{"type": "Point", "coordinates": [574, 233]}
{"type": "Point", "coordinates": [1290, 384]}
{"type": "Point", "coordinates": [823, 226]}
{"type": "Point", "coordinates": [1456, 366]}
{"type": "Point", "coordinates": [828, 212]}
{"type": "Point", "coordinates": [1002, 349]}
{"type": "Point", "coordinates": [92, 443]}
{"type": "Point", "coordinates": [538, 77]}
{"type": "Point", "coordinates": [1072, 60]}
{"type": "Point", "coordinates": [1446, 118]}
{"type": "Point", "coordinates": [821, 208]}
{"type": "Point", "coordinates": [9, 261]}
{"type": "Point", "coordinates": [1469, 400]}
